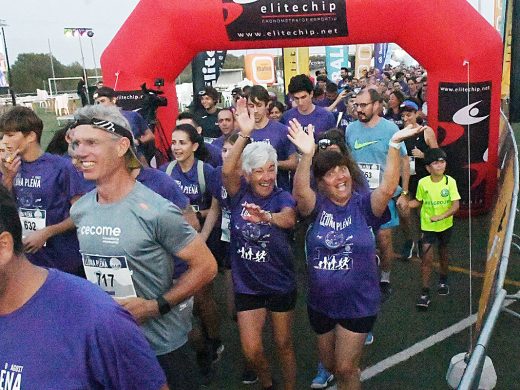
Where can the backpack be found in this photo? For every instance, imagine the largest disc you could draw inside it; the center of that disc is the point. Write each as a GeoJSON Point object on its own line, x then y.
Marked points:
{"type": "Point", "coordinates": [200, 173]}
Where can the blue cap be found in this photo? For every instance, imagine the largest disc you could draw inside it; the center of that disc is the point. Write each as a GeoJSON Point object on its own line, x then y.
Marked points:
{"type": "Point", "coordinates": [410, 104]}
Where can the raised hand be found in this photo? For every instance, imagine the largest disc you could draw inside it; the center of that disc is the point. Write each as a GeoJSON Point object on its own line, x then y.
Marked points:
{"type": "Point", "coordinates": [255, 214]}
{"type": "Point", "coordinates": [407, 132]}
{"type": "Point", "coordinates": [244, 117]}
{"type": "Point", "coordinates": [302, 140]}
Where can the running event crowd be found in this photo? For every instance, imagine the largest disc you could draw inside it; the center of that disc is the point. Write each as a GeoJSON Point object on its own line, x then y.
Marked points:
{"type": "Point", "coordinates": [108, 255]}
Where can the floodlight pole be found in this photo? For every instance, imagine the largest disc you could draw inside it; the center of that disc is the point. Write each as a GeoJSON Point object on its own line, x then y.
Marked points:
{"type": "Point", "coordinates": [90, 34]}
{"type": "Point", "coordinates": [52, 67]}
{"type": "Point", "coordinates": [9, 77]}
{"type": "Point", "coordinates": [84, 69]}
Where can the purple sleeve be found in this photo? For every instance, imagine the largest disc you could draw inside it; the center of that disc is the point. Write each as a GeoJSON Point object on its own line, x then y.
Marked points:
{"type": "Point", "coordinates": [215, 182]}
{"type": "Point", "coordinates": [177, 196]}
{"type": "Point", "coordinates": [331, 121]}
{"type": "Point", "coordinates": [119, 355]}
{"type": "Point", "coordinates": [372, 220]}
{"type": "Point", "coordinates": [285, 199]}
{"type": "Point", "coordinates": [164, 166]}
{"type": "Point", "coordinates": [72, 179]}
{"type": "Point", "coordinates": [208, 174]}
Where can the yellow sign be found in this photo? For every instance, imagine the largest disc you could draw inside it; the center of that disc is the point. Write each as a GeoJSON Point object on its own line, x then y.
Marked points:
{"type": "Point", "coordinates": [363, 59]}
{"type": "Point", "coordinates": [260, 68]}
{"type": "Point", "coordinates": [506, 70]}
{"type": "Point", "coordinates": [498, 228]}
{"type": "Point", "coordinates": [295, 62]}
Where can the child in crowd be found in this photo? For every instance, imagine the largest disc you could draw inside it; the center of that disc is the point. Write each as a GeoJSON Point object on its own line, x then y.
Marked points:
{"type": "Point", "coordinates": [438, 197]}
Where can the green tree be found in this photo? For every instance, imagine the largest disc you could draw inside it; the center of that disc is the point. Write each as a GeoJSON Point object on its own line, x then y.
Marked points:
{"type": "Point", "coordinates": [32, 70]}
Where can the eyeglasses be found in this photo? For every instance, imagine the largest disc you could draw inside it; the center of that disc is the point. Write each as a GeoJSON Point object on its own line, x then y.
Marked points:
{"type": "Point", "coordinates": [362, 105]}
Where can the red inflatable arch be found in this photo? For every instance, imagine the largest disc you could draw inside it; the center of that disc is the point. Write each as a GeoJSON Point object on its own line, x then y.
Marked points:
{"type": "Point", "coordinates": [460, 50]}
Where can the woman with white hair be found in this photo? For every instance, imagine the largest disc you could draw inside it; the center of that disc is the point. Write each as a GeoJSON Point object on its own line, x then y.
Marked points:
{"type": "Point", "coordinates": [262, 216]}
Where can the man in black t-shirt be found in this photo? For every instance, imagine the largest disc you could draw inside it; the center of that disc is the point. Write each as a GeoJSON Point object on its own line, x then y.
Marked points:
{"type": "Point", "coordinates": [207, 117]}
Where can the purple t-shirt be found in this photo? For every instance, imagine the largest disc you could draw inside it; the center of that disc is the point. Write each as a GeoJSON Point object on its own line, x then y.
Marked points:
{"type": "Point", "coordinates": [86, 185]}
{"type": "Point", "coordinates": [275, 134]}
{"type": "Point", "coordinates": [43, 189]}
{"type": "Point", "coordinates": [217, 189]}
{"type": "Point", "coordinates": [261, 254]}
{"type": "Point", "coordinates": [189, 183]}
{"type": "Point", "coordinates": [320, 118]}
{"type": "Point", "coordinates": [138, 125]}
{"type": "Point", "coordinates": [72, 335]}
{"type": "Point", "coordinates": [341, 258]}
{"type": "Point", "coordinates": [219, 142]}
{"type": "Point", "coordinates": [162, 184]}
{"type": "Point", "coordinates": [214, 155]}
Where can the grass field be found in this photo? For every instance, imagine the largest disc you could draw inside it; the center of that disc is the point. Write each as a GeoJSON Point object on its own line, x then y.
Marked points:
{"type": "Point", "coordinates": [399, 325]}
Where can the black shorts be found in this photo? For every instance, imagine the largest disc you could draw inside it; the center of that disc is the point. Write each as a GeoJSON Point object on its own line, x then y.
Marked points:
{"type": "Point", "coordinates": [273, 302]}
{"type": "Point", "coordinates": [322, 324]}
{"type": "Point", "coordinates": [226, 258]}
{"type": "Point", "coordinates": [442, 238]}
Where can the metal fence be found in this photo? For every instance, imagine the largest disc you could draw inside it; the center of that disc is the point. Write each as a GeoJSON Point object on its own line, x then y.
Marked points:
{"type": "Point", "coordinates": [499, 245]}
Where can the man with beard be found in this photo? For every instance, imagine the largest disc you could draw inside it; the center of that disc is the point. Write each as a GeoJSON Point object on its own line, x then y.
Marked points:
{"type": "Point", "coordinates": [368, 139]}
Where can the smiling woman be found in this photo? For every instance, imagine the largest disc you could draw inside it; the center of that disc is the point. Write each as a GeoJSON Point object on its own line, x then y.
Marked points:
{"type": "Point", "coordinates": [344, 294]}
{"type": "Point", "coordinates": [261, 255]}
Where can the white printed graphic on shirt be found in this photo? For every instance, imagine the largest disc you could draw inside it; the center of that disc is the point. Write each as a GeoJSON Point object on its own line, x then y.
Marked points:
{"type": "Point", "coordinates": [11, 376]}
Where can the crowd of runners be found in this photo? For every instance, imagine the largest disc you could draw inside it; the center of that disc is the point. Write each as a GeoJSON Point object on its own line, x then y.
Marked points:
{"type": "Point", "coordinates": [344, 161]}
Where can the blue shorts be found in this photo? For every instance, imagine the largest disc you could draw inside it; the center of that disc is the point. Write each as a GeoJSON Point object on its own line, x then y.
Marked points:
{"type": "Point", "coordinates": [394, 216]}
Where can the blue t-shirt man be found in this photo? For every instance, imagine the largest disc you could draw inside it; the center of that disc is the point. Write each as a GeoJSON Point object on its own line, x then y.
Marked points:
{"type": "Point", "coordinates": [369, 147]}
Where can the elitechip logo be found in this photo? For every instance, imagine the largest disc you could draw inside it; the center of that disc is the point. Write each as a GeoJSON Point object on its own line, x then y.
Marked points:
{"type": "Point", "coordinates": [291, 19]}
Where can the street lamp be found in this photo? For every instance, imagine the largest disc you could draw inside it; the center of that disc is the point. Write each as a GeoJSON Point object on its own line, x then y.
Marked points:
{"type": "Point", "coordinates": [79, 31]}
{"type": "Point", "coordinates": [90, 34]}
{"type": "Point", "coordinates": [9, 77]}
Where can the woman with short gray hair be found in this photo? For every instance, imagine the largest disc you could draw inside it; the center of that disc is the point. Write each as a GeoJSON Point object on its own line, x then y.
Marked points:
{"type": "Point", "coordinates": [262, 216]}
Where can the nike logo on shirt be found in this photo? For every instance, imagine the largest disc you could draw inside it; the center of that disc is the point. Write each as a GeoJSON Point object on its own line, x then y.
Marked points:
{"type": "Point", "coordinates": [358, 145]}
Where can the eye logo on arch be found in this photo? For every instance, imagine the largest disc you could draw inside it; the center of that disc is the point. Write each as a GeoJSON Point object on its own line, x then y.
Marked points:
{"type": "Point", "coordinates": [468, 115]}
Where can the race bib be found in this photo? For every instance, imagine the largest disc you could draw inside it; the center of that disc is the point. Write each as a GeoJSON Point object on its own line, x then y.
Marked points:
{"type": "Point", "coordinates": [111, 273]}
{"type": "Point", "coordinates": [412, 165]}
{"type": "Point", "coordinates": [372, 173]}
{"type": "Point", "coordinates": [32, 220]}
{"type": "Point", "coordinates": [224, 225]}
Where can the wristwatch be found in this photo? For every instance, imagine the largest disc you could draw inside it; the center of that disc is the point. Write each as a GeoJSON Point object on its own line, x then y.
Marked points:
{"type": "Point", "coordinates": [405, 193]}
{"type": "Point", "coordinates": [164, 306]}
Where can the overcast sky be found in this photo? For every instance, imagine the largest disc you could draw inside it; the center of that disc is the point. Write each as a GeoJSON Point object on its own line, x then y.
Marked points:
{"type": "Point", "coordinates": [32, 23]}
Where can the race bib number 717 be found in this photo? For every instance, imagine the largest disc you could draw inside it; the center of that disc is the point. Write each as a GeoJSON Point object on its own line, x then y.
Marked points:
{"type": "Point", "coordinates": [110, 273]}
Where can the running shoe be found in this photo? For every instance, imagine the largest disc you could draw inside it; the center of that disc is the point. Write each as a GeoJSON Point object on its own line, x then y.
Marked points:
{"type": "Point", "coordinates": [408, 249]}
{"type": "Point", "coordinates": [370, 338]}
{"type": "Point", "coordinates": [323, 378]}
{"type": "Point", "coordinates": [249, 377]}
{"type": "Point", "coordinates": [423, 302]}
{"type": "Point", "coordinates": [443, 289]}
{"type": "Point", "coordinates": [386, 290]}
